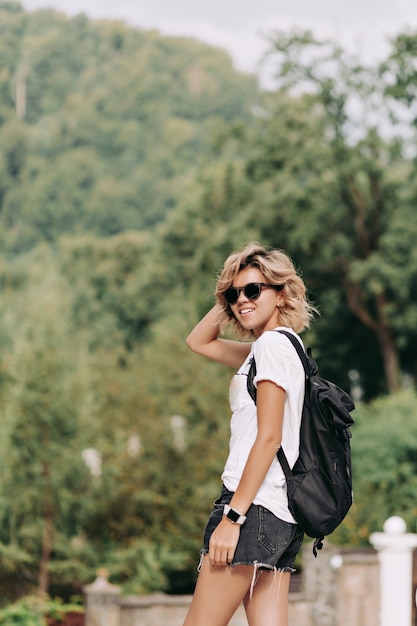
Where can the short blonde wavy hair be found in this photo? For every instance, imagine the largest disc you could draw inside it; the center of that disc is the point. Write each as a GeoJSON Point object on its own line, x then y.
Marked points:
{"type": "Point", "coordinates": [278, 269]}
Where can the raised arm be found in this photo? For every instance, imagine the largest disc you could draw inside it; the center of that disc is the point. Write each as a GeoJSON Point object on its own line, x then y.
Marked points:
{"type": "Point", "coordinates": [204, 339]}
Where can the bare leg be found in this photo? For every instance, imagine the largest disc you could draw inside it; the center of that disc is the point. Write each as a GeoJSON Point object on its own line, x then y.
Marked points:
{"type": "Point", "coordinates": [268, 605]}
{"type": "Point", "coordinates": [218, 593]}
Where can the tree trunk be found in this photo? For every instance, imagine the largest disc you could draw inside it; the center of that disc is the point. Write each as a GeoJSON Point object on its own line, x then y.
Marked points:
{"type": "Point", "coordinates": [47, 536]}
{"type": "Point", "coordinates": [388, 348]}
{"type": "Point", "coordinates": [48, 527]}
{"type": "Point", "coordinates": [21, 94]}
{"type": "Point", "coordinates": [381, 327]}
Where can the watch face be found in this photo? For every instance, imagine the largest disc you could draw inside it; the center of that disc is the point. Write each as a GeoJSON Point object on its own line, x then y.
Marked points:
{"type": "Point", "coordinates": [233, 515]}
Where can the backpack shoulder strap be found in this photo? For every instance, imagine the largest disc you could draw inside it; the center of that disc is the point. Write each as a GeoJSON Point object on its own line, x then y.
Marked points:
{"type": "Point", "coordinates": [300, 351]}
{"type": "Point", "coordinates": [307, 369]}
{"type": "Point", "coordinates": [284, 463]}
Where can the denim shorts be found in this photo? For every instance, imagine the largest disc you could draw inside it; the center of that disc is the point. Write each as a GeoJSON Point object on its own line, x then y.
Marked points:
{"type": "Point", "coordinates": [265, 540]}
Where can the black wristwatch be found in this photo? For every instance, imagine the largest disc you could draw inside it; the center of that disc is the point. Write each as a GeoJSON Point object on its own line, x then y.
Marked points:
{"type": "Point", "coordinates": [234, 516]}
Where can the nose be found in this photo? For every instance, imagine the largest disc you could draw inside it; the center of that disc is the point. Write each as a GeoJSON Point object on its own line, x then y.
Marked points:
{"type": "Point", "coordinates": [242, 296]}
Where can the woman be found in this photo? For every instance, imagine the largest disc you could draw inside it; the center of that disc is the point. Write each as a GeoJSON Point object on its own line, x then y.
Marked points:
{"type": "Point", "coordinates": [251, 539]}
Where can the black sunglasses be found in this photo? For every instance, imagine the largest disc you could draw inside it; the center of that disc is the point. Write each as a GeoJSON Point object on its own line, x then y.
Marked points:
{"type": "Point", "coordinates": [252, 291]}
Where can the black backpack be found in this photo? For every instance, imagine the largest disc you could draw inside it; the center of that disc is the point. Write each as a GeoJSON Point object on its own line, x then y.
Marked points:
{"type": "Point", "coordinates": [319, 486]}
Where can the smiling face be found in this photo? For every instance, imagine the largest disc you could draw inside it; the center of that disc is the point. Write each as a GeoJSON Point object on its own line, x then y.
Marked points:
{"type": "Point", "coordinates": [257, 315]}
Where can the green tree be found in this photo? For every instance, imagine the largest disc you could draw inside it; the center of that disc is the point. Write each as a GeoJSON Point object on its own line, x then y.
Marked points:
{"type": "Point", "coordinates": [340, 187]}
{"type": "Point", "coordinates": [87, 372]}
{"type": "Point", "coordinates": [333, 188]}
{"type": "Point", "coordinates": [44, 478]}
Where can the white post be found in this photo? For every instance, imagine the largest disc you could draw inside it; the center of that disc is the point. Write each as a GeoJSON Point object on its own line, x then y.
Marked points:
{"type": "Point", "coordinates": [395, 547]}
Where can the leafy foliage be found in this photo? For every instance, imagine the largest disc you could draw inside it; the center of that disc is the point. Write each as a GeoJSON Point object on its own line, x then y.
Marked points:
{"type": "Point", "coordinates": [109, 106]}
{"type": "Point", "coordinates": [33, 611]}
{"type": "Point", "coordinates": [384, 458]}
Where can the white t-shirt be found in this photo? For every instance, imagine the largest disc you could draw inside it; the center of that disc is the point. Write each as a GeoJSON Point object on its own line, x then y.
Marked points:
{"type": "Point", "coordinates": [276, 361]}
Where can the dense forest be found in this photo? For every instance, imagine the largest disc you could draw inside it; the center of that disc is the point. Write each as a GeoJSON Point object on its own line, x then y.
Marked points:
{"type": "Point", "coordinates": [131, 164]}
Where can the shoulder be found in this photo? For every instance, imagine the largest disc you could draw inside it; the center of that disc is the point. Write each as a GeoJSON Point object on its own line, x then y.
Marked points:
{"type": "Point", "coordinates": [272, 340]}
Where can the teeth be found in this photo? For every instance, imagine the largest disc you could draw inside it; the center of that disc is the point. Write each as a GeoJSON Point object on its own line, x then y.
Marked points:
{"type": "Point", "coordinates": [244, 311]}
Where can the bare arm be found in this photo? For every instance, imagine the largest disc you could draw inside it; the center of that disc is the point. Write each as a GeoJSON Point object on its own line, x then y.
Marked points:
{"type": "Point", "coordinates": [270, 410]}
{"type": "Point", "coordinates": [204, 339]}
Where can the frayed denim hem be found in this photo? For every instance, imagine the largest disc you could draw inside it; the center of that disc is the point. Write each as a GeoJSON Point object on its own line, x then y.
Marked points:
{"type": "Point", "coordinates": [257, 567]}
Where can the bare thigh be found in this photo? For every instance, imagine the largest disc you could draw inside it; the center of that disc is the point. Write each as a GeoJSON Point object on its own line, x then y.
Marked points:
{"type": "Point", "coordinates": [268, 604]}
{"type": "Point", "coordinates": [218, 594]}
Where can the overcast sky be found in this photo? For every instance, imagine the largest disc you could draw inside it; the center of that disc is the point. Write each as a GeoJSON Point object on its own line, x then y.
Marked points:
{"type": "Point", "coordinates": [362, 26]}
